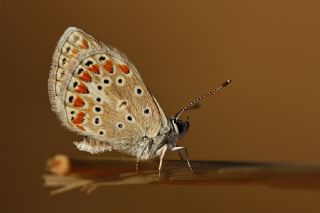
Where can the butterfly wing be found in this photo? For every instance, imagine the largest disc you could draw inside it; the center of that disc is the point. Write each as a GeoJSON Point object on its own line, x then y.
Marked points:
{"type": "Point", "coordinates": [97, 92]}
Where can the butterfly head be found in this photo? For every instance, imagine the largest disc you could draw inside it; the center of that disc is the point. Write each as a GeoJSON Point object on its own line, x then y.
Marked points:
{"type": "Point", "coordinates": [180, 127]}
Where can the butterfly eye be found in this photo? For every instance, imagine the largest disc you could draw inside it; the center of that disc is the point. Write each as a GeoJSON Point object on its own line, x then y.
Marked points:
{"type": "Point", "coordinates": [138, 91]}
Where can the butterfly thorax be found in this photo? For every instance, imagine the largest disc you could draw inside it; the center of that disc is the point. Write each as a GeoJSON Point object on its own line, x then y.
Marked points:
{"type": "Point", "coordinates": [148, 147]}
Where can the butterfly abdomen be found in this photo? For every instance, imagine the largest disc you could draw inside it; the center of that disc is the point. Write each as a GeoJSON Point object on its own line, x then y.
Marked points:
{"type": "Point", "coordinates": [92, 146]}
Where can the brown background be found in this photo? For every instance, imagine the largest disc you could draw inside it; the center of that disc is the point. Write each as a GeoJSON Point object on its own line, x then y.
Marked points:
{"type": "Point", "coordinates": [271, 112]}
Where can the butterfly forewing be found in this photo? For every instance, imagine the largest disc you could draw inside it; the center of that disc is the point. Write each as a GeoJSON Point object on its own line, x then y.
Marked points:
{"type": "Point", "coordinates": [97, 92]}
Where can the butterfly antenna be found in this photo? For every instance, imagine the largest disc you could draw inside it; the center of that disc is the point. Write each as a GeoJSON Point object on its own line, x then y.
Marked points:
{"type": "Point", "coordinates": [197, 100]}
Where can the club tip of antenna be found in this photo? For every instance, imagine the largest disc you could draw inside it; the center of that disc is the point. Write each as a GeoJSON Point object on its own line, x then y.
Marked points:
{"type": "Point", "coordinates": [226, 83]}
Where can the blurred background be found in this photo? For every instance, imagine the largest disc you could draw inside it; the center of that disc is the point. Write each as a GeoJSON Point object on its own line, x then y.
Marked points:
{"type": "Point", "coordinates": [271, 111]}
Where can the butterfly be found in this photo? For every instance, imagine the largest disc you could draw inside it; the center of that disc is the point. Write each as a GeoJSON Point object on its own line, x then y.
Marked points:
{"type": "Point", "coordinates": [98, 93]}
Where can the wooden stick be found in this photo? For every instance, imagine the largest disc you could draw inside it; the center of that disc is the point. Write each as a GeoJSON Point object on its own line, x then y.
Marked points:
{"type": "Point", "coordinates": [87, 174]}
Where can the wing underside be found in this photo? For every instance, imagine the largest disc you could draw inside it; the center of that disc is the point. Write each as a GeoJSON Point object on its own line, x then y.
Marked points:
{"type": "Point", "coordinates": [97, 92]}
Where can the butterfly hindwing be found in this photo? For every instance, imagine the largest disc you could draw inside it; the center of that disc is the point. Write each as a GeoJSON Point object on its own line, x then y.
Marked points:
{"type": "Point", "coordinates": [98, 93]}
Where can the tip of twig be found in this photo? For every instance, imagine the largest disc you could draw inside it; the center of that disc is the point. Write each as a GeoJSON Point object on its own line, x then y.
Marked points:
{"type": "Point", "coordinates": [59, 164]}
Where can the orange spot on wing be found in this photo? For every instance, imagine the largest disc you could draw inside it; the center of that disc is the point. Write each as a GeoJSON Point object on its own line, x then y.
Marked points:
{"type": "Point", "coordinates": [79, 119]}
{"type": "Point", "coordinates": [94, 69]}
{"type": "Point", "coordinates": [82, 89]}
{"type": "Point", "coordinates": [86, 77]}
{"type": "Point", "coordinates": [124, 68]}
{"type": "Point", "coordinates": [75, 51]}
{"type": "Point", "coordinates": [84, 44]}
{"type": "Point", "coordinates": [108, 66]}
{"type": "Point", "coordinates": [78, 102]}
{"type": "Point", "coordinates": [81, 114]}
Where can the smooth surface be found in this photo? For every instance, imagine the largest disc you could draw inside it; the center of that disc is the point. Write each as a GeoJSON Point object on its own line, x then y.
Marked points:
{"type": "Point", "coordinates": [271, 111]}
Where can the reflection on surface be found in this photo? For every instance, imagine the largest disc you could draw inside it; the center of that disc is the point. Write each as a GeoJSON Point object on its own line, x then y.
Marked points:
{"type": "Point", "coordinates": [87, 174]}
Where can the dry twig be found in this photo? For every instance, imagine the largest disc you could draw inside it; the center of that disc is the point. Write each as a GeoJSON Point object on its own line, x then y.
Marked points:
{"type": "Point", "coordinates": [88, 174]}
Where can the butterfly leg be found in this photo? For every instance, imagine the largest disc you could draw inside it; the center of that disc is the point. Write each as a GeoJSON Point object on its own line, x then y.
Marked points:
{"type": "Point", "coordinates": [181, 156]}
{"type": "Point", "coordinates": [179, 149]}
{"type": "Point", "coordinates": [162, 151]}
